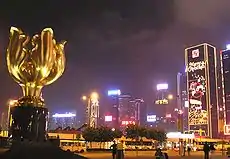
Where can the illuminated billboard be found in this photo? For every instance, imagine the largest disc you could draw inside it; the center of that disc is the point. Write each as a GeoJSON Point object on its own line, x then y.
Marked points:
{"type": "Point", "coordinates": [162, 86]}
{"type": "Point", "coordinates": [151, 118]}
{"type": "Point", "coordinates": [115, 92]}
{"type": "Point", "coordinates": [66, 115]}
{"type": "Point", "coordinates": [201, 86]}
{"type": "Point", "coordinates": [108, 118]}
{"type": "Point", "coordinates": [127, 123]}
{"type": "Point", "coordinates": [162, 102]}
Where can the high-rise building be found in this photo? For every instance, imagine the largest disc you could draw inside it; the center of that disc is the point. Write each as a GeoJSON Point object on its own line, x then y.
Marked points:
{"type": "Point", "coordinates": [225, 70]}
{"type": "Point", "coordinates": [62, 121]}
{"type": "Point", "coordinates": [202, 88]}
{"type": "Point", "coordinates": [126, 110]}
{"type": "Point", "coordinates": [163, 100]}
{"type": "Point", "coordinates": [182, 102]}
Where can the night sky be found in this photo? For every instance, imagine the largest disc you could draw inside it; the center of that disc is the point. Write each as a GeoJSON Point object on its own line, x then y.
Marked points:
{"type": "Point", "coordinates": [126, 44]}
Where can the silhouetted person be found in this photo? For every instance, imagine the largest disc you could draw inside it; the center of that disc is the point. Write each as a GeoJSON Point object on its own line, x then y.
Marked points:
{"type": "Point", "coordinates": [184, 150]}
{"type": "Point", "coordinates": [206, 150]}
{"type": "Point", "coordinates": [159, 154]}
{"type": "Point", "coordinates": [114, 149]}
{"type": "Point", "coordinates": [120, 151]}
{"type": "Point", "coordinates": [166, 155]}
{"type": "Point", "coordinates": [189, 150]}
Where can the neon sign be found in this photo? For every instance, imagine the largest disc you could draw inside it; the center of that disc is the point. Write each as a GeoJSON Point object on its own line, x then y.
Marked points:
{"type": "Point", "coordinates": [127, 122]}
{"type": "Point", "coordinates": [193, 66]}
{"type": "Point", "coordinates": [162, 102]}
{"type": "Point", "coordinates": [226, 129]}
{"type": "Point", "coordinates": [66, 115]}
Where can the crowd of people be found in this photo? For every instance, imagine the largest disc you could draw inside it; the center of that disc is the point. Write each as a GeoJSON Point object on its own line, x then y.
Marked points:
{"type": "Point", "coordinates": [118, 151]}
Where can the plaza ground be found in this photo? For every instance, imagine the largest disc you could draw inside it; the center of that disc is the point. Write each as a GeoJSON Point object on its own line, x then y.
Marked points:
{"type": "Point", "coordinates": [150, 155]}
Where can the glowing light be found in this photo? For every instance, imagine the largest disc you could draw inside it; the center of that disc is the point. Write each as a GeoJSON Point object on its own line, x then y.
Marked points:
{"type": "Point", "coordinates": [162, 102]}
{"type": "Point", "coordinates": [228, 46]}
{"type": "Point", "coordinates": [168, 116]}
{"type": "Point", "coordinates": [151, 118]}
{"type": "Point", "coordinates": [195, 53]}
{"type": "Point", "coordinates": [226, 129]}
{"type": "Point", "coordinates": [179, 135]}
{"type": "Point", "coordinates": [12, 102]}
{"type": "Point", "coordinates": [186, 104]}
{"type": "Point", "coordinates": [109, 118]}
{"type": "Point", "coordinates": [170, 96]}
{"type": "Point", "coordinates": [84, 98]}
{"type": "Point", "coordinates": [193, 66]}
{"type": "Point", "coordinates": [94, 96]}
{"type": "Point", "coordinates": [127, 122]}
{"type": "Point", "coordinates": [162, 86]}
{"type": "Point", "coordinates": [114, 92]}
{"type": "Point", "coordinates": [66, 115]}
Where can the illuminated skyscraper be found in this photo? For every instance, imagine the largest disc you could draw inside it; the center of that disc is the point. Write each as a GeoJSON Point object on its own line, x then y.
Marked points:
{"type": "Point", "coordinates": [126, 110]}
{"type": "Point", "coordinates": [225, 70]}
{"type": "Point", "coordinates": [202, 88]}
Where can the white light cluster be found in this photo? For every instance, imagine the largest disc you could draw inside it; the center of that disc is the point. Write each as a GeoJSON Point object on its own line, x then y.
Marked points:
{"type": "Point", "coordinates": [151, 118]}
{"type": "Point", "coordinates": [66, 115]}
{"type": "Point", "coordinates": [179, 135]}
{"type": "Point", "coordinates": [193, 66]}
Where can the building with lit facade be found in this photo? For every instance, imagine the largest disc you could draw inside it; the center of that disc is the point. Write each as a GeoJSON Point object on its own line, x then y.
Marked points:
{"type": "Point", "coordinates": [62, 121]}
{"type": "Point", "coordinates": [127, 110]}
{"type": "Point", "coordinates": [225, 72]}
{"type": "Point", "coordinates": [202, 88]}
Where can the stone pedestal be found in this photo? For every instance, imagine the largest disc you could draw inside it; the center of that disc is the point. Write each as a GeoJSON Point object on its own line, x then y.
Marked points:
{"type": "Point", "coordinates": [28, 123]}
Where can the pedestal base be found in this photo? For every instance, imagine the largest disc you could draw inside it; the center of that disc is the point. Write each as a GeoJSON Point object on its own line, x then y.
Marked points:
{"type": "Point", "coordinates": [33, 150]}
{"type": "Point", "coordinates": [28, 123]}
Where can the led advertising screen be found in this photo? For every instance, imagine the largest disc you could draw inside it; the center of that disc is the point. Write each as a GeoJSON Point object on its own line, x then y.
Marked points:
{"type": "Point", "coordinates": [123, 123]}
{"type": "Point", "coordinates": [108, 118]}
{"type": "Point", "coordinates": [151, 118]}
{"type": "Point", "coordinates": [162, 86]}
{"type": "Point", "coordinates": [196, 83]}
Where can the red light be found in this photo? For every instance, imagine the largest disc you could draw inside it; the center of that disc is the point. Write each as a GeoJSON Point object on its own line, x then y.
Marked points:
{"type": "Point", "coordinates": [127, 123]}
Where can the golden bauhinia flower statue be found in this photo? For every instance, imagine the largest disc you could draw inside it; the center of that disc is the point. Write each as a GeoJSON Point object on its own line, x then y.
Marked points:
{"type": "Point", "coordinates": [33, 63]}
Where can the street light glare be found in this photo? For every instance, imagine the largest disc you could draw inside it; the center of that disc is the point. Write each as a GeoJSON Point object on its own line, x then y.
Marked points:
{"type": "Point", "coordinates": [84, 98]}
{"type": "Point", "coordinates": [228, 46]}
{"type": "Point", "coordinates": [170, 96]}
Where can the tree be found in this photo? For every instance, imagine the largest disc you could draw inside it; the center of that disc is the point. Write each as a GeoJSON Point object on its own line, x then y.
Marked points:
{"type": "Point", "coordinates": [132, 131]}
{"type": "Point", "coordinates": [90, 135]}
{"type": "Point", "coordinates": [104, 134]}
{"type": "Point", "coordinates": [158, 135]}
{"type": "Point", "coordinates": [116, 133]}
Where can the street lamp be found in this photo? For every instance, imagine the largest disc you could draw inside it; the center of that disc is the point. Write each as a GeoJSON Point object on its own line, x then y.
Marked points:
{"type": "Point", "coordinates": [84, 98]}
{"type": "Point", "coordinates": [11, 103]}
{"type": "Point", "coordinates": [170, 96]}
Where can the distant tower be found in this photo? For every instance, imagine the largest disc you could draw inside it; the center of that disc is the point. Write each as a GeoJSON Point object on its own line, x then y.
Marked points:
{"type": "Point", "coordinates": [93, 110]}
{"type": "Point", "coordinates": [202, 88]}
{"type": "Point", "coordinates": [225, 72]}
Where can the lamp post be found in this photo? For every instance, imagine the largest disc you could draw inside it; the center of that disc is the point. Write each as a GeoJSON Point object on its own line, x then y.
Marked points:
{"type": "Point", "coordinates": [11, 103]}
